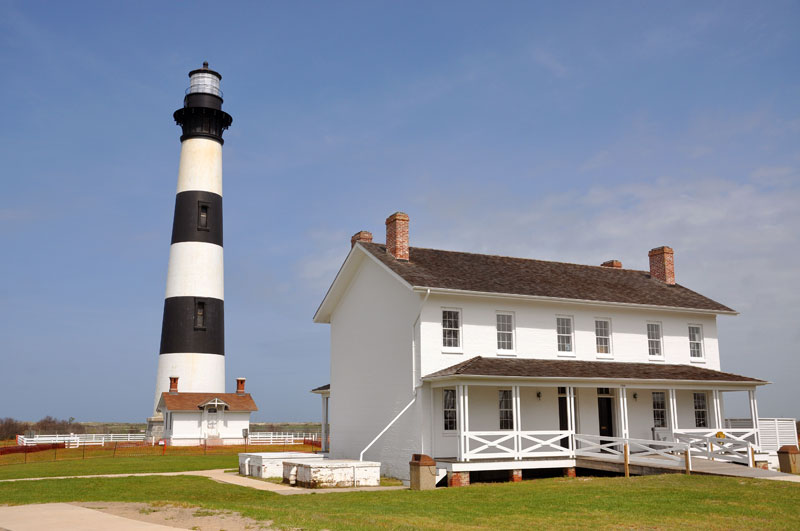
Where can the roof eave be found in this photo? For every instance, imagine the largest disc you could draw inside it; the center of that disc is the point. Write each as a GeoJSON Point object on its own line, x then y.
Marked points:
{"type": "Point", "coordinates": [592, 379]}
{"type": "Point", "coordinates": [469, 293]}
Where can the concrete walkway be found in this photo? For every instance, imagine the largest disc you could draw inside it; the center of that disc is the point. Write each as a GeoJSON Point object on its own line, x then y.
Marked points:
{"type": "Point", "coordinates": [50, 516]}
{"type": "Point", "coordinates": [221, 476]}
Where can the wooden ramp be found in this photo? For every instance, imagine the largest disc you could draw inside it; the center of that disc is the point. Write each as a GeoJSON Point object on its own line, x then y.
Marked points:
{"type": "Point", "coordinates": [653, 465]}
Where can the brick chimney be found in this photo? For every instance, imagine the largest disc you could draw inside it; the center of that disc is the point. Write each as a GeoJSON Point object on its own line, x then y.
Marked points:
{"type": "Point", "coordinates": [361, 236]}
{"type": "Point", "coordinates": [662, 264]}
{"type": "Point", "coordinates": [616, 264]}
{"type": "Point", "coordinates": [173, 385]}
{"type": "Point", "coordinates": [397, 235]}
{"type": "Point", "coordinates": [239, 386]}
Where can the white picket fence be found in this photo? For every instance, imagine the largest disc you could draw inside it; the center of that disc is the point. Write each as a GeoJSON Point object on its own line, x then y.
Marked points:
{"type": "Point", "coordinates": [74, 440]}
{"type": "Point", "coordinates": [273, 437]}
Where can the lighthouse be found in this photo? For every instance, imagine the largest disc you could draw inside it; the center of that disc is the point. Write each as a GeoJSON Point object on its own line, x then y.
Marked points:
{"type": "Point", "coordinates": [193, 328]}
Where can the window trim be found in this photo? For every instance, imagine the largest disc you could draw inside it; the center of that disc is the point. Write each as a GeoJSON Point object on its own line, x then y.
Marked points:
{"type": "Point", "coordinates": [660, 356]}
{"type": "Point", "coordinates": [460, 348]}
{"type": "Point", "coordinates": [502, 351]}
{"type": "Point", "coordinates": [702, 342]}
{"type": "Point", "coordinates": [445, 430]}
{"type": "Point", "coordinates": [610, 353]}
{"type": "Point", "coordinates": [566, 353]}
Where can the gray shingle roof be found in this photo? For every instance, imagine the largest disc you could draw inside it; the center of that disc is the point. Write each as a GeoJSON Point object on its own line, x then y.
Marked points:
{"type": "Point", "coordinates": [433, 268]}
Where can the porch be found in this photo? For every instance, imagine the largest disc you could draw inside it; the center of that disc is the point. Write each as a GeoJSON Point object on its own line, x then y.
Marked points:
{"type": "Point", "coordinates": [490, 425]}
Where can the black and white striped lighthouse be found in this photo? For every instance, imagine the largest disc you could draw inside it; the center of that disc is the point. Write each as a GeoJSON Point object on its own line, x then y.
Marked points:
{"type": "Point", "coordinates": [193, 328]}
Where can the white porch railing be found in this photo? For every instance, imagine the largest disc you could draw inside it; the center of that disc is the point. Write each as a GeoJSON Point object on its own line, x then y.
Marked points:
{"type": "Point", "coordinates": [272, 437]}
{"type": "Point", "coordinates": [746, 435]}
{"type": "Point", "coordinates": [640, 451]}
{"type": "Point", "coordinates": [717, 449]}
{"type": "Point", "coordinates": [506, 444]}
{"type": "Point", "coordinates": [74, 440]}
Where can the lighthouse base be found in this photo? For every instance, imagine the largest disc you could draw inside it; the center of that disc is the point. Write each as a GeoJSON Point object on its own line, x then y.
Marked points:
{"type": "Point", "coordinates": [197, 373]}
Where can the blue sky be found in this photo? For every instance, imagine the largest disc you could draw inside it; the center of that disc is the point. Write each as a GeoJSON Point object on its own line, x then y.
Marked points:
{"type": "Point", "coordinates": [567, 131]}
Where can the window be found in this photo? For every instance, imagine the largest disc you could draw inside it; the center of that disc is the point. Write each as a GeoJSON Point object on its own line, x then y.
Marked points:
{"type": "Point", "coordinates": [449, 406]}
{"type": "Point", "coordinates": [700, 410]}
{"type": "Point", "coordinates": [695, 341]}
{"type": "Point", "coordinates": [451, 329]}
{"type": "Point", "coordinates": [199, 315]}
{"type": "Point", "coordinates": [654, 339]}
{"type": "Point", "coordinates": [603, 391]}
{"type": "Point", "coordinates": [602, 333]}
{"type": "Point", "coordinates": [659, 409]}
{"type": "Point", "coordinates": [564, 333]}
{"type": "Point", "coordinates": [506, 411]}
{"type": "Point", "coordinates": [202, 215]}
{"type": "Point", "coordinates": [505, 331]}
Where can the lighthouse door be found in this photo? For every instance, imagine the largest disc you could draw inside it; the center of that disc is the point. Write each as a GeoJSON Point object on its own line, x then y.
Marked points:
{"type": "Point", "coordinates": [211, 422]}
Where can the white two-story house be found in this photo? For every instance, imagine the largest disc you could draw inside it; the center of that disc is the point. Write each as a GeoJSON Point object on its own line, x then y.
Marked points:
{"type": "Point", "coordinates": [495, 363]}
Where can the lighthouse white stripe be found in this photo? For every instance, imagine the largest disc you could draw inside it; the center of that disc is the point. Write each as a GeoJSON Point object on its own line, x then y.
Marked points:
{"type": "Point", "coordinates": [197, 373]}
{"type": "Point", "coordinates": [195, 270]}
{"type": "Point", "coordinates": [201, 166]}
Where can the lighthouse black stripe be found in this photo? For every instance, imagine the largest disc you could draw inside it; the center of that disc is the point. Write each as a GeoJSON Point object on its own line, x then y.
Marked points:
{"type": "Point", "coordinates": [190, 224]}
{"type": "Point", "coordinates": [180, 331]}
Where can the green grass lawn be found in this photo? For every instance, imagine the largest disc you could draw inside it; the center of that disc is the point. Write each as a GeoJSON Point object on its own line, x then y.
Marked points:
{"type": "Point", "coordinates": [669, 501]}
{"type": "Point", "coordinates": [119, 465]}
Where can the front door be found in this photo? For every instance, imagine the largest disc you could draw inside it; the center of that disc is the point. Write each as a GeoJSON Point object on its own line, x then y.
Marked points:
{"type": "Point", "coordinates": [563, 423]}
{"type": "Point", "coordinates": [212, 422]}
{"type": "Point", "coordinates": [605, 414]}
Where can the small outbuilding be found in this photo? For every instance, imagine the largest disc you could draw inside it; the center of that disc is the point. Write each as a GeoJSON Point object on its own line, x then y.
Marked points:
{"type": "Point", "coordinates": [198, 418]}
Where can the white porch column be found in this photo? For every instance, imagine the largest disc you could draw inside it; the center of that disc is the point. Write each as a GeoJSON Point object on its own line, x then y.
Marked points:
{"type": "Point", "coordinates": [623, 412]}
{"type": "Point", "coordinates": [754, 415]}
{"type": "Point", "coordinates": [718, 422]}
{"type": "Point", "coordinates": [460, 420]}
{"type": "Point", "coordinates": [673, 413]}
{"type": "Point", "coordinates": [516, 419]}
{"type": "Point", "coordinates": [571, 424]}
{"type": "Point", "coordinates": [324, 446]}
{"type": "Point", "coordinates": [465, 392]}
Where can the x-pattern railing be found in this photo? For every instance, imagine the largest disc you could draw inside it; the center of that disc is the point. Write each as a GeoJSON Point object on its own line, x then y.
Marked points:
{"type": "Point", "coordinates": [543, 443]}
{"type": "Point", "coordinates": [715, 448]}
{"type": "Point", "coordinates": [641, 450]}
{"type": "Point", "coordinates": [490, 448]}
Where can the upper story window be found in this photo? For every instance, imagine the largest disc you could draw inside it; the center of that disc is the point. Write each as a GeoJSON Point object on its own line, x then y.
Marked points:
{"type": "Point", "coordinates": [659, 409]}
{"type": "Point", "coordinates": [451, 329]}
{"type": "Point", "coordinates": [564, 334]}
{"type": "Point", "coordinates": [700, 410]}
{"type": "Point", "coordinates": [199, 315]}
{"type": "Point", "coordinates": [696, 342]}
{"type": "Point", "coordinates": [654, 347]}
{"type": "Point", "coordinates": [449, 407]}
{"type": "Point", "coordinates": [506, 411]}
{"type": "Point", "coordinates": [202, 215]}
{"type": "Point", "coordinates": [505, 331]}
{"type": "Point", "coordinates": [602, 333]}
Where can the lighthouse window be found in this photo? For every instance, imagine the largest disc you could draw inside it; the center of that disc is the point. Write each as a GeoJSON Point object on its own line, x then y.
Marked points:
{"type": "Point", "coordinates": [202, 216]}
{"type": "Point", "coordinates": [199, 315]}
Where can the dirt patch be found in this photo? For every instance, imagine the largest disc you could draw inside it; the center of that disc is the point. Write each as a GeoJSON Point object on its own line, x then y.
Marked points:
{"type": "Point", "coordinates": [198, 518]}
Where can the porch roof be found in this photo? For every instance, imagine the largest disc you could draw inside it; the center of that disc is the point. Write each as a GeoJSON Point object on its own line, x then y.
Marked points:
{"type": "Point", "coordinates": [574, 369]}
